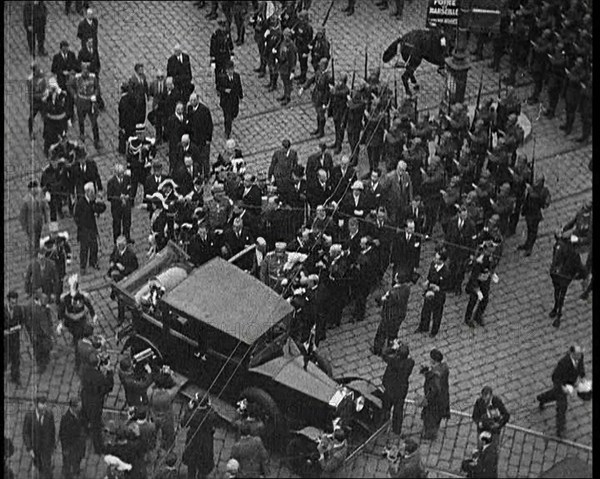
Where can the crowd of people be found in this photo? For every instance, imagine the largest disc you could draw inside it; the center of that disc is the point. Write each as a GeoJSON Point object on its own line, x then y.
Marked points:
{"type": "Point", "coordinates": [324, 236]}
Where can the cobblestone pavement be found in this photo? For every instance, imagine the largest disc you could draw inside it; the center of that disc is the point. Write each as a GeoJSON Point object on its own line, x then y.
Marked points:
{"type": "Point", "coordinates": [514, 353]}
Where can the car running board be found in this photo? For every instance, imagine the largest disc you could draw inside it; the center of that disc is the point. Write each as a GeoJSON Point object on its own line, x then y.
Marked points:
{"type": "Point", "coordinates": [223, 409]}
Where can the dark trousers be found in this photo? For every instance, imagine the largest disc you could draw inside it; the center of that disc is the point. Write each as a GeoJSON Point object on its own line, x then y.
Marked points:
{"type": "Point", "coordinates": [374, 153]}
{"type": "Point", "coordinates": [55, 206]}
{"type": "Point", "coordinates": [556, 394]}
{"type": "Point", "coordinates": [570, 110]}
{"type": "Point", "coordinates": [303, 60]}
{"type": "Point", "coordinates": [92, 418]}
{"type": "Point", "coordinates": [431, 424]}
{"type": "Point", "coordinates": [287, 85]}
{"type": "Point", "coordinates": [34, 238]}
{"type": "Point", "coordinates": [499, 45]}
{"type": "Point", "coordinates": [12, 354]}
{"type": "Point", "coordinates": [432, 210]}
{"type": "Point", "coordinates": [205, 159]}
{"type": "Point", "coordinates": [138, 177]}
{"type": "Point", "coordinates": [84, 109]}
{"type": "Point", "coordinates": [360, 293]}
{"type": "Point", "coordinates": [353, 141]}
{"type": "Point", "coordinates": [88, 249]}
{"type": "Point", "coordinates": [35, 108]}
{"type": "Point", "coordinates": [194, 471]}
{"type": "Point", "coordinates": [554, 89]}
{"type": "Point", "coordinates": [80, 6]}
{"type": "Point", "coordinates": [432, 312]}
{"type": "Point", "coordinates": [478, 306]}
{"type": "Point", "coordinates": [41, 350]}
{"type": "Point", "coordinates": [532, 231]}
{"type": "Point", "coordinates": [228, 122]}
{"type": "Point", "coordinates": [458, 268]}
{"type": "Point", "coordinates": [238, 18]}
{"type": "Point", "coordinates": [585, 109]}
{"type": "Point", "coordinates": [397, 406]}
{"type": "Point", "coordinates": [538, 83]}
{"type": "Point", "coordinates": [273, 73]}
{"type": "Point", "coordinates": [36, 35]}
{"type": "Point", "coordinates": [561, 285]}
{"type": "Point", "coordinates": [340, 130]}
{"type": "Point", "coordinates": [43, 463]}
{"type": "Point", "coordinates": [260, 44]}
{"type": "Point", "coordinates": [71, 461]}
{"type": "Point", "coordinates": [515, 215]}
{"type": "Point", "coordinates": [121, 222]}
{"type": "Point", "coordinates": [399, 6]}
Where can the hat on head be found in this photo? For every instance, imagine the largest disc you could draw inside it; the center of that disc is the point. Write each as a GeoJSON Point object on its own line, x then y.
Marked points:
{"type": "Point", "coordinates": [486, 436]}
{"type": "Point", "coordinates": [436, 355]}
{"type": "Point", "coordinates": [125, 364]}
{"type": "Point", "coordinates": [358, 185]}
{"type": "Point", "coordinates": [124, 87]}
{"type": "Point", "coordinates": [41, 397]}
{"type": "Point", "coordinates": [410, 445]}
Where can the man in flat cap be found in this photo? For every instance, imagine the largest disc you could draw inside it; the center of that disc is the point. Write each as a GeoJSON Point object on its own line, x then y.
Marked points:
{"type": "Point", "coordinates": [221, 49]}
{"type": "Point", "coordinates": [39, 436]}
{"type": "Point", "coordinates": [286, 60]}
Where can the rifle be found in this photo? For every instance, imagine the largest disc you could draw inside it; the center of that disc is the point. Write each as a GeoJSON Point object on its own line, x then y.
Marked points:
{"type": "Point", "coordinates": [366, 62]}
{"type": "Point", "coordinates": [328, 12]}
{"type": "Point", "coordinates": [395, 90]}
{"type": "Point", "coordinates": [332, 70]}
{"type": "Point", "coordinates": [533, 160]}
{"type": "Point", "coordinates": [478, 101]}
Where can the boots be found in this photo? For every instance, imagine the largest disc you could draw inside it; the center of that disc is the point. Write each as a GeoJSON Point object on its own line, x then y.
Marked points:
{"type": "Point", "coordinates": [321, 128]}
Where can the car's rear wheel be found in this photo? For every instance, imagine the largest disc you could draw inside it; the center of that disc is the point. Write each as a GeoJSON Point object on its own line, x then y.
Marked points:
{"type": "Point", "coordinates": [302, 456]}
{"type": "Point", "coordinates": [269, 413]}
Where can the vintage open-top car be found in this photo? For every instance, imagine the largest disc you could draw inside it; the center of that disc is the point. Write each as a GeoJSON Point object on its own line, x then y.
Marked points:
{"type": "Point", "coordinates": [223, 331]}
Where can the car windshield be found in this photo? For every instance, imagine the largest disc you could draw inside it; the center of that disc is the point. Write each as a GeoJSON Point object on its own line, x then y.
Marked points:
{"type": "Point", "coordinates": [270, 345]}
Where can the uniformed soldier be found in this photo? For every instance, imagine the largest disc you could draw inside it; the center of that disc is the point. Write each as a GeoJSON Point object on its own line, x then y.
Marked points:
{"type": "Point", "coordinates": [478, 286]}
{"type": "Point", "coordinates": [356, 111]}
{"type": "Point", "coordinates": [556, 77]}
{"type": "Point", "coordinates": [537, 197]}
{"type": "Point", "coordinates": [303, 34]}
{"type": "Point", "coordinates": [259, 22]}
{"type": "Point", "coordinates": [520, 178]}
{"type": "Point", "coordinates": [575, 80]}
{"type": "Point", "coordinates": [271, 269]}
{"type": "Point", "coordinates": [499, 39]}
{"type": "Point", "coordinates": [58, 250]}
{"type": "Point", "coordinates": [36, 87]}
{"type": "Point", "coordinates": [75, 311]}
{"type": "Point", "coordinates": [53, 183]}
{"type": "Point", "coordinates": [539, 65]}
{"type": "Point", "coordinates": [581, 226]}
{"type": "Point", "coordinates": [514, 135]}
{"type": "Point", "coordinates": [85, 93]}
{"type": "Point", "coordinates": [240, 9]}
{"type": "Point", "coordinates": [288, 16]}
{"type": "Point", "coordinates": [507, 106]}
{"type": "Point", "coordinates": [519, 46]}
{"type": "Point", "coordinates": [320, 95]}
{"type": "Point", "coordinates": [320, 48]}
{"type": "Point", "coordinates": [140, 151]}
{"type": "Point", "coordinates": [286, 60]}
{"type": "Point", "coordinates": [58, 111]}
{"type": "Point", "coordinates": [585, 108]}
{"type": "Point", "coordinates": [338, 110]}
{"type": "Point", "coordinates": [503, 206]}
{"type": "Point", "coordinates": [218, 209]}
{"type": "Point", "coordinates": [221, 48]}
{"type": "Point", "coordinates": [272, 40]}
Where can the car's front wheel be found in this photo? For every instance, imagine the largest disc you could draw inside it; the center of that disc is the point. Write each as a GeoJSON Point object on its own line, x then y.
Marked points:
{"type": "Point", "coordinates": [269, 413]}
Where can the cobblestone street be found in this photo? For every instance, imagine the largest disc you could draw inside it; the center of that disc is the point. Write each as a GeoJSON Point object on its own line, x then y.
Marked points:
{"type": "Point", "coordinates": [514, 353]}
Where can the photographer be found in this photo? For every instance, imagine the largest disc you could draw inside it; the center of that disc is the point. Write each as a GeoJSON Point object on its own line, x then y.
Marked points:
{"type": "Point", "coordinates": [490, 414]}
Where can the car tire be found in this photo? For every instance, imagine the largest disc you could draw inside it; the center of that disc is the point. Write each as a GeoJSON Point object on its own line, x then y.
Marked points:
{"type": "Point", "coordinates": [324, 364]}
{"type": "Point", "coordinates": [274, 421]}
{"type": "Point", "coordinates": [297, 452]}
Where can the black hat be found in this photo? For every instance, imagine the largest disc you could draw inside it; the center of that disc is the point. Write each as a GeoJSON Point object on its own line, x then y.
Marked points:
{"type": "Point", "coordinates": [436, 355]}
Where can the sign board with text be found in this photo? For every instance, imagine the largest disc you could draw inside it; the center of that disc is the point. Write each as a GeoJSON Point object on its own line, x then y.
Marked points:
{"type": "Point", "coordinates": [441, 13]}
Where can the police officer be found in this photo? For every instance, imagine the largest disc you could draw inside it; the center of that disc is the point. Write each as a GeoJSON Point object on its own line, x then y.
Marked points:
{"type": "Point", "coordinates": [478, 286]}
{"type": "Point", "coordinates": [556, 77]}
{"type": "Point", "coordinates": [286, 60]}
{"type": "Point", "coordinates": [338, 109]}
{"type": "Point", "coordinates": [221, 48]}
{"type": "Point", "coordinates": [320, 94]}
{"type": "Point", "coordinates": [303, 33]}
{"type": "Point", "coordinates": [259, 22]}
{"type": "Point", "coordinates": [13, 317]}
{"type": "Point", "coordinates": [537, 197]}
{"type": "Point", "coordinates": [58, 111]}
{"type": "Point", "coordinates": [539, 65]}
{"type": "Point", "coordinates": [272, 40]}
{"type": "Point", "coordinates": [85, 94]}
{"type": "Point", "coordinates": [320, 48]}
{"type": "Point", "coordinates": [140, 151]}
{"type": "Point", "coordinates": [575, 78]}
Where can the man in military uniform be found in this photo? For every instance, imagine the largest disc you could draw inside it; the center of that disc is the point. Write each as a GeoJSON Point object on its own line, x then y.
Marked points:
{"type": "Point", "coordinates": [320, 94]}
{"type": "Point", "coordinates": [286, 61]}
{"type": "Point", "coordinates": [556, 77]}
{"type": "Point", "coordinates": [271, 269]}
{"type": "Point", "coordinates": [58, 250]}
{"type": "Point", "coordinates": [320, 48]}
{"type": "Point", "coordinates": [478, 286]}
{"type": "Point", "coordinates": [354, 124]}
{"type": "Point", "coordinates": [85, 93]}
{"type": "Point", "coordinates": [140, 152]}
{"type": "Point", "coordinates": [338, 109]}
{"type": "Point", "coordinates": [259, 22]}
{"type": "Point", "coordinates": [272, 41]}
{"type": "Point", "coordinates": [539, 64]}
{"type": "Point", "coordinates": [520, 178]}
{"type": "Point", "coordinates": [576, 76]}
{"type": "Point", "coordinates": [13, 319]}
{"type": "Point", "coordinates": [303, 33]}
{"type": "Point", "coordinates": [221, 49]}
{"type": "Point", "coordinates": [52, 182]}
{"type": "Point", "coordinates": [58, 111]}
{"type": "Point", "coordinates": [537, 197]}
{"type": "Point", "coordinates": [336, 285]}
{"type": "Point", "coordinates": [218, 210]}
{"type": "Point", "coordinates": [519, 47]}
{"type": "Point", "coordinates": [36, 87]}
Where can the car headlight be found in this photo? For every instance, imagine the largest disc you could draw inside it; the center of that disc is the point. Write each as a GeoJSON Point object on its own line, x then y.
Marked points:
{"type": "Point", "coordinates": [359, 403]}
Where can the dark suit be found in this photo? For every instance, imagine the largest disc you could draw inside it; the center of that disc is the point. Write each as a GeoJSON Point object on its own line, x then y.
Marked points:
{"type": "Point", "coordinates": [87, 30]}
{"type": "Point", "coordinates": [126, 120]}
{"type": "Point", "coordinates": [393, 313]}
{"type": "Point", "coordinates": [72, 439]}
{"type": "Point", "coordinates": [158, 91]}
{"type": "Point", "coordinates": [87, 232]}
{"type": "Point", "coordinates": [200, 128]}
{"type": "Point", "coordinates": [61, 64]}
{"type": "Point", "coordinates": [230, 91]}
{"type": "Point", "coordinates": [174, 130]}
{"type": "Point", "coordinates": [317, 194]}
{"type": "Point", "coordinates": [39, 436]}
{"type": "Point", "coordinates": [350, 207]}
{"type": "Point", "coordinates": [151, 187]}
{"type": "Point", "coordinates": [79, 177]}
{"type": "Point", "coordinates": [237, 242]}
{"type": "Point", "coordinates": [374, 193]}
{"type": "Point", "coordinates": [406, 255]}
{"type": "Point", "coordinates": [395, 382]}
{"type": "Point", "coordinates": [42, 273]}
{"type": "Point", "coordinates": [167, 104]}
{"type": "Point", "coordinates": [490, 417]}
{"type": "Point", "coordinates": [433, 307]}
{"type": "Point", "coordinates": [384, 233]}
{"type": "Point", "coordinates": [460, 241]}
{"type": "Point", "coordinates": [486, 465]}
{"type": "Point", "coordinates": [127, 259]}
{"type": "Point", "coordinates": [316, 162]}
{"type": "Point", "coordinates": [138, 87]}
{"type": "Point", "coordinates": [564, 373]}
{"type": "Point", "coordinates": [200, 250]}
{"type": "Point", "coordinates": [13, 322]}
{"type": "Point", "coordinates": [177, 164]}
{"type": "Point", "coordinates": [120, 209]}
{"type": "Point", "coordinates": [94, 387]}
{"type": "Point", "coordinates": [282, 164]}
{"type": "Point", "coordinates": [181, 73]}
{"type": "Point", "coordinates": [38, 322]}
{"type": "Point", "coordinates": [340, 181]}
{"type": "Point", "coordinates": [185, 179]}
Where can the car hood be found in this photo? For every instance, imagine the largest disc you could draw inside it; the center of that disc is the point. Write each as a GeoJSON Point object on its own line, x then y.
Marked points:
{"type": "Point", "coordinates": [289, 371]}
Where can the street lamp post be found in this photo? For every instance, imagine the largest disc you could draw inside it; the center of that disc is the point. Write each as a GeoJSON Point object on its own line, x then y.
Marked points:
{"type": "Point", "coordinates": [458, 64]}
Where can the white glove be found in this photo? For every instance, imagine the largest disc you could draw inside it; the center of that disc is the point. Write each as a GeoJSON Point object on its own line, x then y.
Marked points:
{"type": "Point", "coordinates": [95, 319]}
{"type": "Point", "coordinates": [479, 295]}
{"type": "Point", "coordinates": [69, 123]}
{"type": "Point", "coordinates": [495, 278]}
{"type": "Point", "coordinates": [212, 66]}
{"type": "Point", "coordinates": [47, 196]}
{"type": "Point", "coordinates": [300, 91]}
{"type": "Point", "coordinates": [292, 76]}
{"type": "Point", "coordinates": [568, 389]}
{"type": "Point", "coordinates": [59, 328]}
